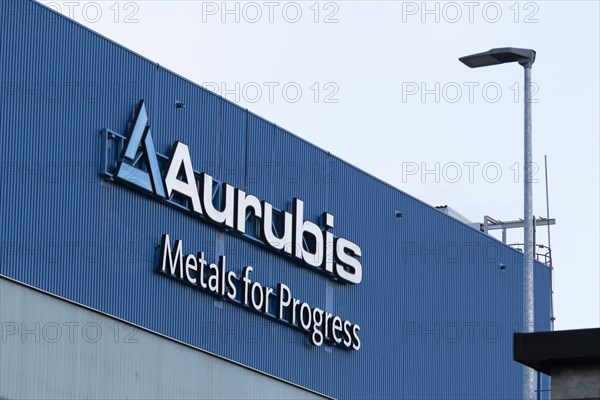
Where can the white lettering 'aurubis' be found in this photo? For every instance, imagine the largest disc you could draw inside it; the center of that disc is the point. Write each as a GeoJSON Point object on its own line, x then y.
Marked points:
{"type": "Point", "coordinates": [234, 209]}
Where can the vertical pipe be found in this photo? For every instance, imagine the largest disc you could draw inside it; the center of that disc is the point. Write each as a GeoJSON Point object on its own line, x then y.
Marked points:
{"type": "Point", "coordinates": [528, 373]}
{"type": "Point", "coordinates": [548, 208]}
{"type": "Point", "coordinates": [539, 388]}
{"type": "Point", "coordinates": [535, 256]}
{"type": "Point", "coordinates": [549, 249]}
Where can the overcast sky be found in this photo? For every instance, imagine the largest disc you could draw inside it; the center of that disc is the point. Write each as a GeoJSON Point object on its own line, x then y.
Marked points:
{"type": "Point", "coordinates": [379, 85]}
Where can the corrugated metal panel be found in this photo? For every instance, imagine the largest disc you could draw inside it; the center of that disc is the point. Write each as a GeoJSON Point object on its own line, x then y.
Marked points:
{"type": "Point", "coordinates": [435, 308]}
{"type": "Point", "coordinates": [53, 349]}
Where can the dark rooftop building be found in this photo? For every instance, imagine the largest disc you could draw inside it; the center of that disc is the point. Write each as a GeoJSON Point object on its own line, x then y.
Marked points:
{"type": "Point", "coordinates": [571, 357]}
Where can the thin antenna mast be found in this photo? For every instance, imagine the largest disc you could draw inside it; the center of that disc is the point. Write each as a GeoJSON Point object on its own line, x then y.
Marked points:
{"type": "Point", "coordinates": [549, 246]}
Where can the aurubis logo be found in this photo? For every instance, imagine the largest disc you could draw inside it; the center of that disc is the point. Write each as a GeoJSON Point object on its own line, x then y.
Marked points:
{"type": "Point", "coordinates": [283, 231]}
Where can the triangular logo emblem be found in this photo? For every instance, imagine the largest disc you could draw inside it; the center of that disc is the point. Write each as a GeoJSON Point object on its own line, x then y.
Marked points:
{"type": "Point", "coordinates": [139, 164]}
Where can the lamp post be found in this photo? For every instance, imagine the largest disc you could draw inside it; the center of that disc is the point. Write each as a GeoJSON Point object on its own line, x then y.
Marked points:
{"type": "Point", "coordinates": [526, 58]}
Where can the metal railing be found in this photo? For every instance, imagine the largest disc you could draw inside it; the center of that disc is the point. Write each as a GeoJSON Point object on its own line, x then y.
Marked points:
{"type": "Point", "coordinates": [542, 253]}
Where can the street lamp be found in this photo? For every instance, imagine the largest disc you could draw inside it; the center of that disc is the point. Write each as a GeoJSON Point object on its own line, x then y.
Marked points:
{"type": "Point", "coordinates": [526, 58]}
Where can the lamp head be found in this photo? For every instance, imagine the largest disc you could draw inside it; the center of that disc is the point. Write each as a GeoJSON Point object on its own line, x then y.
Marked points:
{"type": "Point", "coordinates": [525, 57]}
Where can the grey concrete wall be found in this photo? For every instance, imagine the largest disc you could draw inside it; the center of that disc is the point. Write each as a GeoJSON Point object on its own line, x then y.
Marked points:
{"type": "Point", "coordinates": [51, 348]}
{"type": "Point", "coordinates": [582, 382]}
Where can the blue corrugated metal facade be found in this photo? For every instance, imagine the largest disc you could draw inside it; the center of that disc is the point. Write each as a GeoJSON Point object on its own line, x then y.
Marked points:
{"type": "Point", "coordinates": [436, 310]}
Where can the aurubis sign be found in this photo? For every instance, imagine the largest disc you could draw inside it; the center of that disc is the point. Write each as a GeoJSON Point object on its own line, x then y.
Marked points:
{"type": "Point", "coordinates": [286, 232]}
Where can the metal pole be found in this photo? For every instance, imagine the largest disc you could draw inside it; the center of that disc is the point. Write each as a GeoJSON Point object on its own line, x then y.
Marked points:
{"type": "Point", "coordinates": [548, 209]}
{"type": "Point", "coordinates": [549, 249]}
{"type": "Point", "coordinates": [528, 373]}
